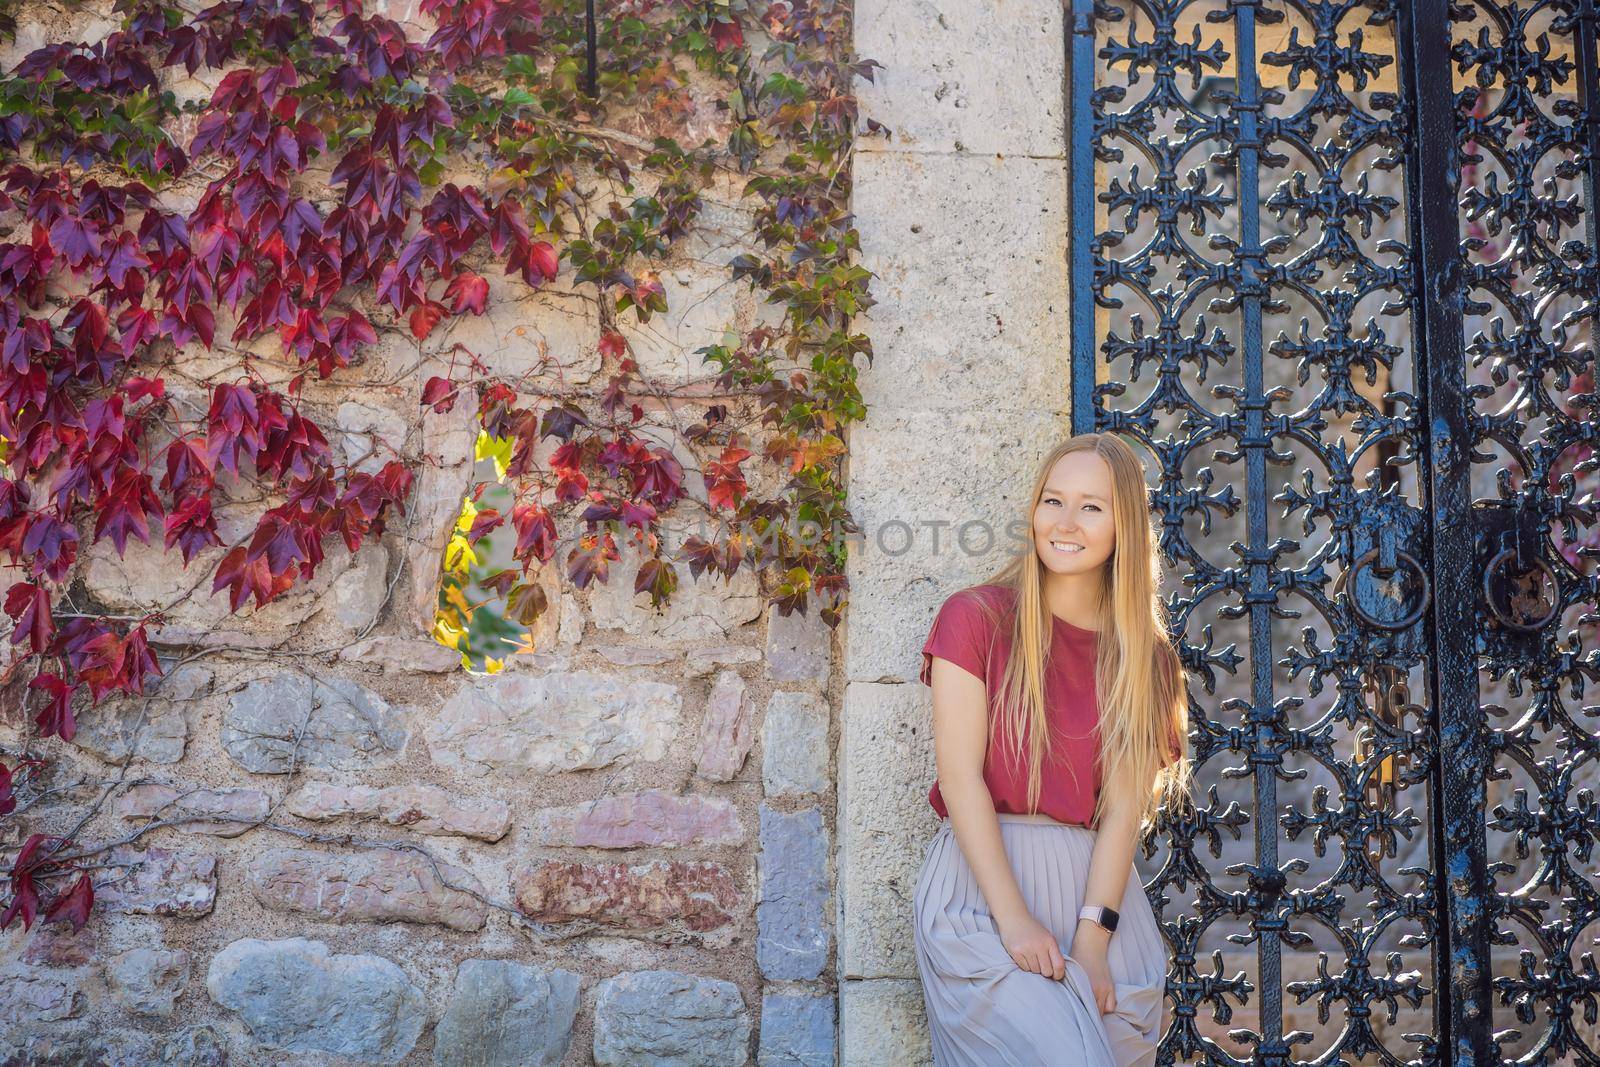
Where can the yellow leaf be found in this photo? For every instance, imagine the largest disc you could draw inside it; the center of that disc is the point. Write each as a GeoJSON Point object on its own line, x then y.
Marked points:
{"type": "Point", "coordinates": [492, 665]}
{"type": "Point", "coordinates": [457, 598]}
{"type": "Point", "coordinates": [495, 448]}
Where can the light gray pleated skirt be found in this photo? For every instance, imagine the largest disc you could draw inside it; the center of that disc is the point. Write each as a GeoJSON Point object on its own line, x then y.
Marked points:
{"type": "Point", "coordinates": [984, 1010]}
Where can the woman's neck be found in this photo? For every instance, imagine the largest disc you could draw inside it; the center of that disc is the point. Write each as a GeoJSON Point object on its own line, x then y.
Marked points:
{"type": "Point", "coordinates": [1075, 598]}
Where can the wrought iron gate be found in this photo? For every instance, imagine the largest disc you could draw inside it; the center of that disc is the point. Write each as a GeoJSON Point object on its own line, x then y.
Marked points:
{"type": "Point", "coordinates": [1347, 253]}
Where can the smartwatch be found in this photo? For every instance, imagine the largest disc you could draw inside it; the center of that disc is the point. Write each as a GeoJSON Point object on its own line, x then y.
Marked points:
{"type": "Point", "coordinates": [1106, 917]}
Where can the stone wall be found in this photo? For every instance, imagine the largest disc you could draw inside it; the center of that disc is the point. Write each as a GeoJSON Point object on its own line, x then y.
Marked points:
{"type": "Point", "coordinates": [343, 848]}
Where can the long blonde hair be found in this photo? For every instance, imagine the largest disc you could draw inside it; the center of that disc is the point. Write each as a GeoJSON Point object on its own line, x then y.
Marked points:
{"type": "Point", "coordinates": [1143, 693]}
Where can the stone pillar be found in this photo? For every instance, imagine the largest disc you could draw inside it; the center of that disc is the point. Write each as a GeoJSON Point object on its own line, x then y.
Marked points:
{"type": "Point", "coordinates": [963, 218]}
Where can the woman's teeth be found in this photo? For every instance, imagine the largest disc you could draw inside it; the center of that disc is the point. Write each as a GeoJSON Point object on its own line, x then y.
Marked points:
{"type": "Point", "coordinates": [1059, 547]}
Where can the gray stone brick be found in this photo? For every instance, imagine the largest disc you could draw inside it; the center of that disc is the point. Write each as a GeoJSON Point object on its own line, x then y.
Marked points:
{"type": "Point", "coordinates": [797, 1030]}
{"type": "Point", "coordinates": [792, 933]}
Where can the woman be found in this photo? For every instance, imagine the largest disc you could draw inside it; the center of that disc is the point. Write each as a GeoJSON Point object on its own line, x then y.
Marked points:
{"type": "Point", "coordinates": [1035, 941]}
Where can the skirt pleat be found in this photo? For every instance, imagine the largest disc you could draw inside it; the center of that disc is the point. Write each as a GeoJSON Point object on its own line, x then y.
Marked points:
{"type": "Point", "coordinates": [984, 1010]}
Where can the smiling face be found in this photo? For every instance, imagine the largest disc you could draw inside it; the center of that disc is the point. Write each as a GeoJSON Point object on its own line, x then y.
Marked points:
{"type": "Point", "coordinates": [1073, 527]}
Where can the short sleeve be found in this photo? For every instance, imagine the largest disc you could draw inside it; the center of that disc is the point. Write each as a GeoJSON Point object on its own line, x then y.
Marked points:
{"type": "Point", "coordinates": [960, 634]}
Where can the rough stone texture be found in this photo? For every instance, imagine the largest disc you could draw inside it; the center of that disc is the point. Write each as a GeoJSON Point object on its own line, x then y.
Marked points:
{"type": "Point", "coordinates": [30, 996]}
{"type": "Point", "coordinates": [447, 440]}
{"type": "Point", "coordinates": [651, 818]}
{"type": "Point", "coordinates": [887, 767]}
{"type": "Point", "coordinates": [669, 1019]}
{"type": "Point", "coordinates": [282, 722]}
{"type": "Point", "coordinates": [797, 646]}
{"type": "Point", "coordinates": [425, 809]}
{"type": "Point", "coordinates": [157, 881]}
{"type": "Point", "coordinates": [635, 655]}
{"type": "Point", "coordinates": [794, 744]}
{"type": "Point", "coordinates": [227, 812]}
{"type": "Point", "coordinates": [957, 97]}
{"type": "Point", "coordinates": [711, 609]}
{"type": "Point", "coordinates": [667, 900]}
{"type": "Point", "coordinates": [791, 919]}
{"type": "Point", "coordinates": [366, 886]}
{"type": "Point", "coordinates": [797, 1030]}
{"type": "Point", "coordinates": [726, 730]}
{"type": "Point", "coordinates": [146, 981]}
{"type": "Point", "coordinates": [506, 1014]}
{"type": "Point", "coordinates": [296, 996]}
{"type": "Point", "coordinates": [520, 724]}
{"type": "Point", "coordinates": [114, 730]}
{"type": "Point", "coordinates": [882, 1022]}
{"type": "Point", "coordinates": [399, 655]}
{"type": "Point", "coordinates": [195, 1046]}
{"type": "Point", "coordinates": [702, 662]}
{"type": "Point", "coordinates": [59, 945]}
{"type": "Point", "coordinates": [348, 589]}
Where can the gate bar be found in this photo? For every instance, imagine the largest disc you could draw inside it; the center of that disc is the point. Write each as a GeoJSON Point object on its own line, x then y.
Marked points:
{"type": "Point", "coordinates": [1432, 177]}
{"type": "Point", "coordinates": [1079, 31]}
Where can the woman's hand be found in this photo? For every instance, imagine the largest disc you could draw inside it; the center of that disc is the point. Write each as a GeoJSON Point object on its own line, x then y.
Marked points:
{"type": "Point", "coordinates": [1033, 947]}
{"type": "Point", "coordinates": [1090, 947]}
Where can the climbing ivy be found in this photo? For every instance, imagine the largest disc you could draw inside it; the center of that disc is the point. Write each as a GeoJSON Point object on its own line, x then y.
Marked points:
{"type": "Point", "coordinates": [328, 163]}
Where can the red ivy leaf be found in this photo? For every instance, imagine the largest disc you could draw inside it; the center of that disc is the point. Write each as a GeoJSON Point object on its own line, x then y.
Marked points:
{"type": "Point", "coordinates": [29, 605]}
{"type": "Point", "coordinates": [439, 394]}
{"type": "Point", "coordinates": [24, 894]}
{"type": "Point", "coordinates": [74, 905]}
{"type": "Point", "coordinates": [469, 292]}
{"type": "Point", "coordinates": [55, 718]}
{"type": "Point", "coordinates": [424, 318]}
{"type": "Point", "coordinates": [612, 344]}
{"type": "Point", "coordinates": [726, 35]}
{"type": "Point", "coordinates": [591, 558]}
{"type": "Point", "coordinates": [8, 799]}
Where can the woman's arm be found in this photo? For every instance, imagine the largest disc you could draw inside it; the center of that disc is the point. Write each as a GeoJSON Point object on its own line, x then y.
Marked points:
{"type": "Point", "coordinates": [960, 739]}
{"type": "Point", "coordinates": [1110, 866]}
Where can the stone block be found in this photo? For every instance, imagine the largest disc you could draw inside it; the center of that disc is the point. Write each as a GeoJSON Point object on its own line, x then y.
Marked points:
{"type": "Point", "coordinates": [520, 724]}
{"type": "Point", "coordinates": [29, 996]}
{"type": "Point", "coordinates": [990, 237]}
{"type": "Point", "coordinates": [506, 1014]}
{"type": "Point", "coordinates": [703, 662]}
{"type": "Point", "coordinates": [367, 886]}
{"type": "Point", "coordinates": [794, 744]}
{"type": "Point", "coordinates": [157, 881]}
{"type": "Point", "coordinates": [223, 812]}
{"type": "Point", "coordinates": [295, 996]}
{"type": "Point", "coordinates": [798, 646]}
{"type": "Point", "coordinates": [665, 900]}
{"type": "Point", "coordinates": [118, 729]}
{"type": "Point", "coordinates": [402, 655]}
{"type": "Point", "coordinates": [791, 919]}
{"type": "Point", "coordinates": [279, 723]}
{"type": "Point", "coordinates": [425, 809]}
{"type": "Point", "coordinates": [726, 729]}
{"type": "Point", "coordinates": [651, 818]}
{"type": "Point", "coordinates": [973, 66]}
{"type": "Point", "coordinates": [883, 1024]}
{"type": "Point", "coordinates": [670, 1019]}
{"type": "Point", "coordinates": [797, 1030]}
{"type": "Point", "coordinates": [146, 981]}
{"type": "Point", "coordinates": [886, 821]}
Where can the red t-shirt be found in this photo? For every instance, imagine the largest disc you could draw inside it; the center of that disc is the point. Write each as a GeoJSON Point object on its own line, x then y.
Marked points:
{"type": "Point", "coordinates": [962, 634]}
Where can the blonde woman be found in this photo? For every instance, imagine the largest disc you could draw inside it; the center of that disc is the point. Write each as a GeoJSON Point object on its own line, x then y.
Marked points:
{"type": "Point", "coordinates": [1035, 941]}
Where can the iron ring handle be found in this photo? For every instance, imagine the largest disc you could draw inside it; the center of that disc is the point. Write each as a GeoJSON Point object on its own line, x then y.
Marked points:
{"type": "Point", "coordinates": [1412, 616]}
{"type": "Point", "coordinates": [1504, 619]}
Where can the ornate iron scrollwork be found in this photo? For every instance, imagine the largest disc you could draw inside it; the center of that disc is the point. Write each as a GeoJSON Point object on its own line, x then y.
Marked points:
{"type": "Point", "coordinates": [1256, 185]}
